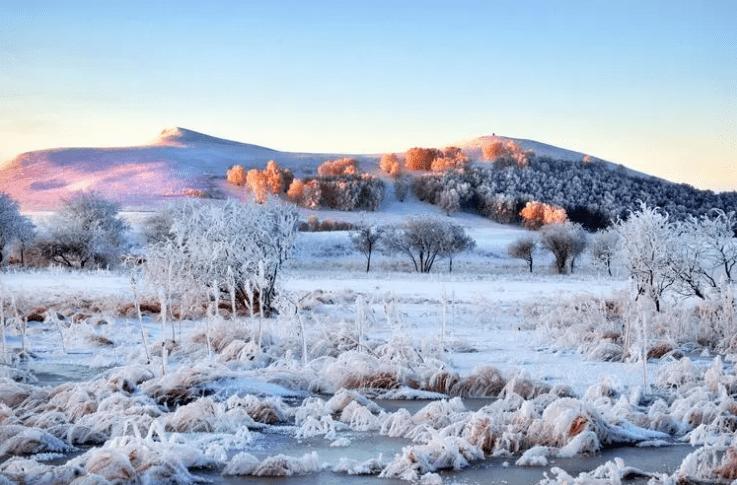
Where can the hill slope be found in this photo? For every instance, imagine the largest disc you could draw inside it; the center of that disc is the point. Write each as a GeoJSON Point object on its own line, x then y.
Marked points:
{"type": "Point", "coordinates": [179, 162]}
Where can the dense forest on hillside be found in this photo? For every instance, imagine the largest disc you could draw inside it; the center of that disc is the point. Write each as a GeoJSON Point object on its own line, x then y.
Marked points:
{"type": "Point", "coordinates": [592, 194]}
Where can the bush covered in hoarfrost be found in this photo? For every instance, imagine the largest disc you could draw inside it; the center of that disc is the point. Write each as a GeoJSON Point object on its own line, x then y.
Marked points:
{"type": "Point", "coordinates": [232, 248]}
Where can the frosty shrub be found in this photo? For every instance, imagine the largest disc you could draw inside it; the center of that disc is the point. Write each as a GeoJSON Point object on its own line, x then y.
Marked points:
{"type": "Point", "coordinates": [455, 191]}
{"type": "Point", "coordinates": [506, 154]}
{"type": "Point", "coordinates": [236, 175]}
{"type": "Point", "coordinates": [366, 240]}
{"type": "Point", "coordinates": [342, 166]}
{"type": "Point", "coordinates": [391, 164]}
{"type": "Point", "coordinates": [314, 224]}
{"type": "Point", "coordinates": [524, 249]}
{"type": "Point", "coordinates": [432, 159]}
{"type": "Point", "coordinates": [229, 244]}
{"type": "Point", "coordinates": [452, 158]}
{"type": "Point", "coordinates": [86, 232]}
{"type": "Point", "coordinates": [424, 239]}
{"type": "Point", "coordinates": [566, 241]}
{"type": "Point", "coordinates": [537, 214]}
{"type": "Point", "coordinates": [305, 194]}
{"type": "Point", "coordinates": [427, 188]}
{"type": "Point", "coordinates": [344, 192]}
{"type": "Point", "coordinates": [13, 226]}
{"type": "Point", "coordinates": [401, 188]}
{"type": "Point", "coordinates": [502, 208]}
{"type": "Point", "coordinates": [421, 158]}
{"type": "Point", "coordinates": [270, 181]}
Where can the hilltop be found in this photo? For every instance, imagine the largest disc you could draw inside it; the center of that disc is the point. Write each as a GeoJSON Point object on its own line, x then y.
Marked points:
{"type": "Point", "coordinates": [177, 163]}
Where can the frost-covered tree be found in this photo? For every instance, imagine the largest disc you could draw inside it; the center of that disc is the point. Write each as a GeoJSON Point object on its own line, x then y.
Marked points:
{"type": "Point", "coordinates": [366, 240]}
{"type": "Point", "coordinates": [391, 164]}
{"type": "Point", "coordinates": [457, 241]}
{"type": "Point", "coordinates": [566, 241]}
{"type": "Point", "coordinates": [24, 238]}
{"type": "Point", "coordinates": [342, 166]}
{"type": "Point", "coordinates": [424, 239]}
{"type": "Point", "coordinates": [536, 214]}
{"type": "Point", "coordinates": [717, 232]}
{"type": "Point", "coordinates": [524, 249]}
{"type": "Point", "coordinates": [604, 248]}
{"type": "Point", "coordinates": [236, 175]}
{"type": "Point", "coordinates": [648, 245]}
{"type": "Point", "coordinates": [418, 158]}
{"type": "Point", "coordinates": [13, 226]}
{"type": "Point", "coordinates": [401, 188]}
{"type": "Point", "coordinates": [87, 231]}
{"type": "Point", "coordinates": [238, 247]}
{"type": "Point", "coordinates": [708, 252]}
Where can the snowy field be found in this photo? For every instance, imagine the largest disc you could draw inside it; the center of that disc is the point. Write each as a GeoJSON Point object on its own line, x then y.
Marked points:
{"type": "Point", "coordinates": [488, 374]}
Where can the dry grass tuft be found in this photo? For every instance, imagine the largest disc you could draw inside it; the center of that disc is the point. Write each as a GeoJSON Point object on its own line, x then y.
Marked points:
{"type": "Point", "coordinates": [442, 381]}
{"type": "Point", "coordinates": [379, 380]}
{"type": "Point", "coordinates": [100, 340]}
{"type": "Point", "coordinates": [659, 349]}
{"type": "Point", "coordinates": [485, 382]}
{"type": "Point", "coordinates": [479, 432]}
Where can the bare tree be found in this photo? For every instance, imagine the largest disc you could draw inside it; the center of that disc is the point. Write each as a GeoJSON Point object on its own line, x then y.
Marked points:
{"type": "Point", "coordinates": [566, 241]}
{"type": "Point", "coordinates": [524, 249]}
{"type": "Point", "coordinates": [424, 239]}
{"type": "Point", "coordinates": [366, 240]}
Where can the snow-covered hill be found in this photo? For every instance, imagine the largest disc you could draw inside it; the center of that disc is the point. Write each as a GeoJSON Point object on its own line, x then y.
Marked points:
{"type": "Point", "coordinates": [178, 163]}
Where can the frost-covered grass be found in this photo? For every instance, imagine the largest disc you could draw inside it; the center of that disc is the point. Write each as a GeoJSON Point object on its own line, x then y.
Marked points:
{"type": "Point", "coordinates": [559, 359]}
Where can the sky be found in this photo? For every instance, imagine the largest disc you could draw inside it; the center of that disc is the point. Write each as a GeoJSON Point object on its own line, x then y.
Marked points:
{"type": "Point", "coordinates": [651, 85]}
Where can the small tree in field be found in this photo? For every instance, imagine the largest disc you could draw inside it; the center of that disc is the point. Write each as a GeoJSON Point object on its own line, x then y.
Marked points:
{"type": "Point", "coordinates": [13, 226]}
{"type": "Point", "coordinates": [604, 248]}
{"type": "Point", "coordinates": [366, 240]}
{"type": "Point", "coordinates": [648, 246]}
{"type": "Point", "coordinates": [709, 252]}
{"type": "Point", "coordinates": [566, 241]}
{"type": "Point", "coordinates": [523, 249]}
{"type": "Point", "coordinates": [86, 232]}
{"type": "Point", "coordinates": [424, 239]}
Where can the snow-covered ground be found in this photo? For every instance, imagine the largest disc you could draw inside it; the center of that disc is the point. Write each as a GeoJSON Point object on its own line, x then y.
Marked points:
{"type": "Point", "coordinates": [478, 355]}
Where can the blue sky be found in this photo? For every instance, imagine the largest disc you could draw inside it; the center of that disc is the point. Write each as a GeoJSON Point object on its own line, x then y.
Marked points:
{"type": "Point", "coordinates": [652, 85]}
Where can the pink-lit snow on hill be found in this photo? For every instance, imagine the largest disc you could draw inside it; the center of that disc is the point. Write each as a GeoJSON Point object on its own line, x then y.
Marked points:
{"type": "Point", "coordinates": [178, 163]}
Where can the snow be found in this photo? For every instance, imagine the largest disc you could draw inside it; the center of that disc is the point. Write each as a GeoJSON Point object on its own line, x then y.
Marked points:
{"type": "Point", "coordinates": [488, 330]}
